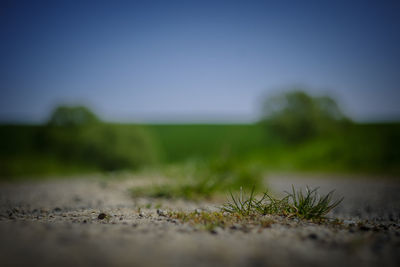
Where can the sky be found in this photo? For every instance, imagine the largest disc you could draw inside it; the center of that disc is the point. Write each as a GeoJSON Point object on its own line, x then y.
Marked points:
{"type": "Point", "coordinates": [196, 61]}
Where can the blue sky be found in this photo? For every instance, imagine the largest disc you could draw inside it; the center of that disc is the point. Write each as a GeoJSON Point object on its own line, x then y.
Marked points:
{"type": "Point", "coordinates": [201, 61]}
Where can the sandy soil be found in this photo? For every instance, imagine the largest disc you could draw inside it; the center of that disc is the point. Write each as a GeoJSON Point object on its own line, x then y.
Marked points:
{"type": "Point", "coordinates": [55, 223]}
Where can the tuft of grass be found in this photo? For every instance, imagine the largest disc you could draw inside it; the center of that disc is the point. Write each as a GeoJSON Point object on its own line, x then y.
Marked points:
{"type": "Point", "coordinates": [241, 204]}
{"type": "Point", "coordinates": [244, 211]}
{"type": "Point", "coordinates": [309, 205]}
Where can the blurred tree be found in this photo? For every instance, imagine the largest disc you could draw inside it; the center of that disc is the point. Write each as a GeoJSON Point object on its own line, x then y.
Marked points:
{"type": "Point", "coordinates": [74, 134]}
{"type": "Point", "coordinates": [296, 116]}
{"type": "Point", "coordinates": [72, 116]}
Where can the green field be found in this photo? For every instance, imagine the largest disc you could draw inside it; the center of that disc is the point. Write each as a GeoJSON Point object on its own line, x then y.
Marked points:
{"type": "Point", "coordinates": [187, 141]}
{"type": "Point", "coordinates": [362, 148]}
{"type": "Point", "coordinates": [40, 150]}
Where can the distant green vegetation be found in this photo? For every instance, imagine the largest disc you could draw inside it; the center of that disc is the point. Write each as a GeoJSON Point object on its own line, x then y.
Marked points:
{"type": "Point", "coordinates": [296, 116]}
{"type": "Point", "coordinates": [73, 116]}
{"type": "Point", "coordinates": [181, 142]}
{"type": "Point", "coordinates": [359, 148]}
{"type": "Point", "coordinates": [365, 148]}
{"type": "Point", "coordinates": [299, 133]}
{"type": "Point", "coordinates": [36, 150]}
{"type": "Point", "coordinates": [73, 141]}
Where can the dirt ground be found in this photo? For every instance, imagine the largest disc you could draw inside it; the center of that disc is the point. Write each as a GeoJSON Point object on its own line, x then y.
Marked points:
{"type": "Point", "coordinates": [56, 223]}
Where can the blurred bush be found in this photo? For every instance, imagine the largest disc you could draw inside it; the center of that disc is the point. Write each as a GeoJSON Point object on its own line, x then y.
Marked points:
{"type": "Point", "coordinates": [104, 146]}
{"type": "Point", "coordinates": [74, 140]}
{"type": "Point", "coordinates": [296, 116]}
{"type": "Point", "coordinates": [75, 134]}
{"type": "Point", "coordinates": [72, 116]}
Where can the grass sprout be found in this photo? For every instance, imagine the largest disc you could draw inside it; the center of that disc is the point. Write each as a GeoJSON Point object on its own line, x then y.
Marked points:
{"type": "Point", "coordinates": [241, 204]}
{"type": "Point", "coordinates": [309, 205]}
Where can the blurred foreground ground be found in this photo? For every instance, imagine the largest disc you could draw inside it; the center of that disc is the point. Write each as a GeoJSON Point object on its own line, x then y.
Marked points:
{"type": "Point", "coordinates": [55, 223]}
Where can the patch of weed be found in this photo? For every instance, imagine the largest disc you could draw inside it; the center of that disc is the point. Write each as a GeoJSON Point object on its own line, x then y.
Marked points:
{"type": "Point", "coordinates": [247, 210]}
{"type": "Point", "coordinates": [309, 205]}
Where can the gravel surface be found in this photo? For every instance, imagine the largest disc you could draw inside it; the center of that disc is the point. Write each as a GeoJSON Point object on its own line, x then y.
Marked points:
{"type": "Point", "coordinates": [93, 221]}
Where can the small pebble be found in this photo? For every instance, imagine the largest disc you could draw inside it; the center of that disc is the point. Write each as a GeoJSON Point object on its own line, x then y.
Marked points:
{"type": "Point", "coordinates": [384, 227]}
{"type": "Point", "coordinates": [161, 212]}
{"type": "Point", "coordinates": [313, 236]}
{"type": "Point", "coordinates": [213, 232]}
{"type": "Point", "coordinates": [235, 226]}
{"type": "Point", "coordinates": [349, 222]}
{"type": "Point", "coordinates": [364, 228]}
{"type": "Point", "coordinates": [101, 216]}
